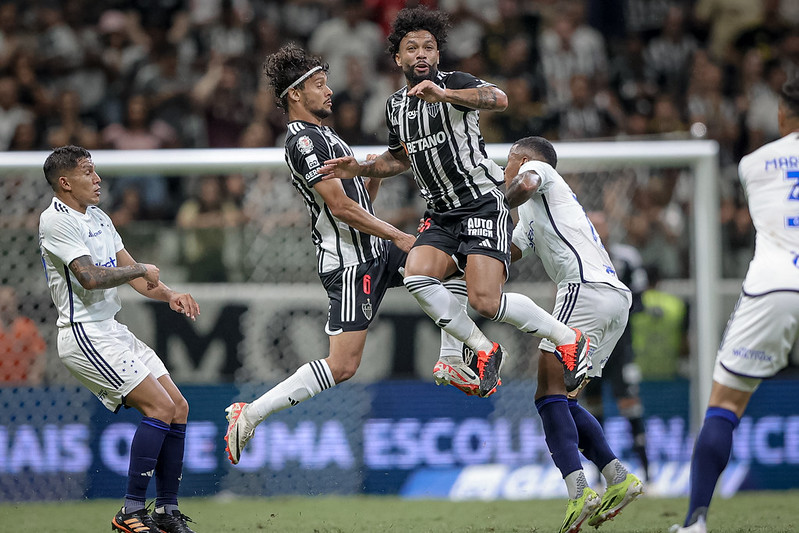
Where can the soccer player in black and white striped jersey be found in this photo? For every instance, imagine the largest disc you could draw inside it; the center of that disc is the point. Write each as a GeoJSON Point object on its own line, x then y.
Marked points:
{"type": "Point", "coordinates": [434, 129]}
{"type": "Point", "coordinates": [358, 255]}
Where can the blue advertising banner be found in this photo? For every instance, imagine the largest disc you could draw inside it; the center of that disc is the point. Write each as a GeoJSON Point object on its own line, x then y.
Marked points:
{"type": "Point", "coordinates": [391, 437]}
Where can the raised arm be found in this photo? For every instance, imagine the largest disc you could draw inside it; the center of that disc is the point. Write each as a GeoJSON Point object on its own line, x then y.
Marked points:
{"type": "Point", "coordinates": [351, 213]}
{"type": "Point", "coordinates": [385, 165]}
{"type": "Point", "coordinates": [522, 187]}
{"type": "Point", "coordinates": [488, 97]}
{"type": "Point", "coordinates": [183, 303]}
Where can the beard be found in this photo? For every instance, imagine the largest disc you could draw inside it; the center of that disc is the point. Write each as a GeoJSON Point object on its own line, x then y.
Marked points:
{"type": "Point", "coordinates": [322, 113]}
{"type": "Point", "coordinates": [414, 79]}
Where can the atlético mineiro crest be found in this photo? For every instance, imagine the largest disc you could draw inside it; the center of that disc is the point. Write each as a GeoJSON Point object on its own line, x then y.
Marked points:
{"type": "Point", "coordinates": [367, 309]}
{"type": "Point", "coordinates": [432, 108]}
{"type": "Point", "coordinates": [305, 144]}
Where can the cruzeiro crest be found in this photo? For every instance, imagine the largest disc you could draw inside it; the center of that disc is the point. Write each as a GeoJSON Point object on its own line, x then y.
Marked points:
{"type": "Point", "coordinates": [367, 309]}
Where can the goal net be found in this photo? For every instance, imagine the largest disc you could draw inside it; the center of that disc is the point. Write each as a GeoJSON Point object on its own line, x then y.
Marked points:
{"type": "Point", "coordinates": [266, 318]}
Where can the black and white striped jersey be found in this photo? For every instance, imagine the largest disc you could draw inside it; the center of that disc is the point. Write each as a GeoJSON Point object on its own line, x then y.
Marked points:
{"type": "Point", "coordinates": [444, 144]}
{"type": "Point", "coordinates": [338, 245]}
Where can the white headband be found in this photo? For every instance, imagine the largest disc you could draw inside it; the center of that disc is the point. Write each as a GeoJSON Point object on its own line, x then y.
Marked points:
{"type": "Point", "coordinates": [301, 79]}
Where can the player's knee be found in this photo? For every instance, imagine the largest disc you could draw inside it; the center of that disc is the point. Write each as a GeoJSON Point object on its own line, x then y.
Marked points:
{"type": "Point", "coordinates": [163, 410]}
{"type": "Point", "coordinates": [485, 304]}
{"type": "Point", "coordinates": [343, 369]}
{"type": "Point", "coordinates": [181, 410]}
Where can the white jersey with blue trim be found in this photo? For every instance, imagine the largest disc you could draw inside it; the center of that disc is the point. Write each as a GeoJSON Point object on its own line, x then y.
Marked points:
{"type": "Point", "coordinates": [770, 177]}
{"type": "Point", "coordinates": [65, 235]}
{"type": "Point", "coordinates": [554, 224]}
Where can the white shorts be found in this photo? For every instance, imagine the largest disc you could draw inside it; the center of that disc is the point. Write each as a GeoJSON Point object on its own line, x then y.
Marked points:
{"type": "Point", "coordinates": [107, 358]}
{"type": "Point", "coordinates": [758, 338]}
{"type": "Point", "coordinates": [599, 311]}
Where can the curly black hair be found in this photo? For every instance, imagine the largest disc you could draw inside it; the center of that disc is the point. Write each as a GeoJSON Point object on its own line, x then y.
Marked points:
{"type": "Point", "coordinates": [418, 18]}
{"type": "Point", "coordinates": [285, 66]}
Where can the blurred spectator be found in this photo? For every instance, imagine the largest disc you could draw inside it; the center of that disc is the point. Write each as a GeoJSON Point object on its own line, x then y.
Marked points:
{"type": "Point", "coordinates": [12, 113]}
{"type": "Point", "coordinates": [666, 116]}
{"type": "Point", "coordinates": [69, 127]}
{"type": "Point", "coordinates": [225, 101]}
{"type": "Point", "coordinates": [26, 138]}
{"type": "Point", "coordinates": [205, 219]}
{"type": "Point", "coordinates": [125, 47]}
{"type": "Point", "coordinates": [569, 47]}
{"type": "Point", "coordinates": [724, 20]}
{"type": "Point", "coordinates": [737, 235]}
{"type": "Point", "coordinates": [663, 323]}
{"type": "Point", "coordinates": [629, 77]}
{"type": "Point", "coordinates": [707, 105]}
{"type": "Point", "coordinates": [655, 225]}
{"type": "Point", "coordinates": [513, 20]}
{"type": "Point", "coordinates": [347, 123]}
{"type": "Point", "coordinates": [583, 118]}
{"type": "Point", "coordinates": [167, 82]}
{"type": "Point", "coordinates": [668, 56]}
{"type": "Point", "coordinates": [764, 36]}
{"type": "Point", "coordinates": [762, 112]}
{"type": "Point", "coordinates": [348, 35]}
{"type": "Point", "coordinates": [12, 37]}
{"type": "Point", "coordinates": [139, 131]}
{"type": "Point", "coordinates": [22, 348]}
{"type": "Point", "coordinates": [526, 117]}
{"type": "Point", "coordinates": [226, 33]}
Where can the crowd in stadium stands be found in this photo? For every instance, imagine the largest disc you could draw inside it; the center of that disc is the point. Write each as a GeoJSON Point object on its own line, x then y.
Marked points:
{"type": "Point", "coordinates": [127, 74]}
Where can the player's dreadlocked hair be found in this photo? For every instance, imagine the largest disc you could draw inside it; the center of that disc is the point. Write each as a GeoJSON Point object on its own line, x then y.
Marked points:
{"type": "Point", "coordinates": [61, 160]}
{"type": "Point", "coordinates": [790, 96]}
{"type": "Point", "coordinates": [540, 147]}
{"type": "Point", "coordinates": [415, 19]}
{"type": "Point", "coordinates": [286, 66]}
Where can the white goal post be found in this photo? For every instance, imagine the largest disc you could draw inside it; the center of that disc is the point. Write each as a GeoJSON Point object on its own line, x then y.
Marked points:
{"type": "Point", "coordinates": [699, 155]}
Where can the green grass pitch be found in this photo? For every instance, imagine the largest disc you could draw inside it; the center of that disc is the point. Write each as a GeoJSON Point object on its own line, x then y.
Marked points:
{"type": "Point", "coordinates": [772, 512]}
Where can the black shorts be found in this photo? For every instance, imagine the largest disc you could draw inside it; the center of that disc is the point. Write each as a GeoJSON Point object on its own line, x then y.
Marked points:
{"type": "Point", "coordinates": [355, 292]}
{"type": "Point", "coordinates": [481, 227]}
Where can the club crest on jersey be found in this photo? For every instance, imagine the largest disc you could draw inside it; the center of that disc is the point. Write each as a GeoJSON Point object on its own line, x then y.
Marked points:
{"type": "Point", "coordinates": [305, 144]}
{"type": "Point", "coordinates": [432, 108]}
{"type": "Point", "coordinates": [367, 309]}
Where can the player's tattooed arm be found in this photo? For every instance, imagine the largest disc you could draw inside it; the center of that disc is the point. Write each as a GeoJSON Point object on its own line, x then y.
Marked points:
{"type": "Point", "coordinates": [383, 166]}
{"type": "Point", "coordinates": [488, 98]}
{"type": "Point", "coordinates": [91, 276]}
{"type": "Point", "coordinates": [522, 188]}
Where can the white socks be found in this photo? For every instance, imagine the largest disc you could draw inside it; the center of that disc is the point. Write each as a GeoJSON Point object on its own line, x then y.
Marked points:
{"type": "Point", "coordinates": [452, 348]}
{"type": "Point", "coordinates": [308, 381]}
{"type": "Point", "coordinates": [446, 311]}
{"type": "Point", "coordinates": [528, 316]}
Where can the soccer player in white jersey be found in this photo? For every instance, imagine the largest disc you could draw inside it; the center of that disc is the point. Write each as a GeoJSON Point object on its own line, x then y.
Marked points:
{"type": "Point", "coordinates": [765, 323]}
{"type": "Point", "coordinates": [85, 260]}
{"type": "Point", "coordinates": [590, 297]}
{"type": "Point", "coordinates": [358, 255]}
{"type": "Point", "coordinates": [434, 129]}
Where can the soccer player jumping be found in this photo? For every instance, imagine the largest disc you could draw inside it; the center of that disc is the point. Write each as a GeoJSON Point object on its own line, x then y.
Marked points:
{"type": "Point", "coordinates": [765, 323]}
{"type": "Point", "coordinates": [590, 297]}
{"type": "Point", "coordinates": [359, 256]}
{"type": "Point", "coordinates": [434, 129]}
